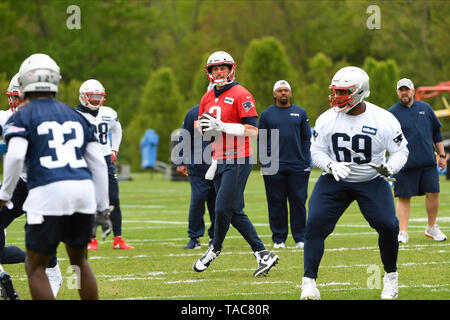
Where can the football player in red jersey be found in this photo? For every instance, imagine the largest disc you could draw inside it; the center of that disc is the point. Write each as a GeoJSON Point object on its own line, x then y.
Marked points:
{"type": "Point", "coordinates": [233, 122]}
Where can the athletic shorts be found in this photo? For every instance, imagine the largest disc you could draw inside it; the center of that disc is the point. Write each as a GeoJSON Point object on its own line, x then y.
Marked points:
{"type": "Point", "coordinates": [74, 230]}
{"type": "Point", "coordinates": [416, 182]}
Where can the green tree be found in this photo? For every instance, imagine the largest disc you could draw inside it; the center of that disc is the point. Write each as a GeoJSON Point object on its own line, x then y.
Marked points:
{"type": "Point", "coordinates": [265, 62]}
{"type": "Point", "coordinates": [315, 93]}
{"type": "Point", "coordinates": [4, 84]}
{"type": "Point", "coordinates": [383, 78]}
{"type": "Point", "coordinates": [69, 91]}
{"type": "Point", "coordinates": [200, 82]}
{"type": "Point", "coordinates": [158, 109]}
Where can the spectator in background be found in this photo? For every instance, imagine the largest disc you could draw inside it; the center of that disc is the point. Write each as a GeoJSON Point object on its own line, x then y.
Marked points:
{"type": "Point", "coordinates": [202, 190]}
{"type": "Point", "coordinates": [290, 183]}
{"type": "Point", "coordinates": [419, 176]}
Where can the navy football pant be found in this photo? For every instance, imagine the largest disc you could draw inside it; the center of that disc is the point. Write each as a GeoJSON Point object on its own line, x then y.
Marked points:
{"type": "Point", "coordinates": [10, 254]}
{"type": "Point", "coordinates": [13, 254]}
{"type": "Point", "coordinates": [281, 188]}
{"type": "Point", "coordinates": [116, 214]}
{"type": "Point", "coordinates": [202, 191]}
{"type": "Point", "coordinates": [328, 202]}
{"type": "Point", "coordinates": [19, 195]}
{"type": "Point", "coordinates": [230, 181]}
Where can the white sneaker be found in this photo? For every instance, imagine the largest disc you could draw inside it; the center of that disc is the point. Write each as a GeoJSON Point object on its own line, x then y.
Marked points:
{"type": "Point", "coordinates": [266, 260]}
{"type": "Point", "coordinates": [403, 237]}
{"type": "Point", "coordinates": [309, 289]}
{"type": "Point", "coordinates": [390, 286]}
{"type": "Point", "coordinates": [55, 278]}
{"type": "Point", "coordinates": [203, 263]}
{"type": "Point", "coordinates": [435, 233]}
{"type": "Point", "coordinates": [279, 245]}
{"type": "Point", "coordinates": [300, 244]}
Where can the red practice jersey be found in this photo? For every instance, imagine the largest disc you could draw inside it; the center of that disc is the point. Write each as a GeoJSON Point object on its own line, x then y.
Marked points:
{"type": "Point", "coordinates": [230, 107]}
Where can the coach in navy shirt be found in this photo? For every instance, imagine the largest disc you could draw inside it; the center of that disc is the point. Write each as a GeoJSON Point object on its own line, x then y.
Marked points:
{"type": "Point", "coordinates": [419, 176]}
{"type": "Point", "coordinates": [290, 182]}
{"type": "Point", "coordinates": [195, 167]}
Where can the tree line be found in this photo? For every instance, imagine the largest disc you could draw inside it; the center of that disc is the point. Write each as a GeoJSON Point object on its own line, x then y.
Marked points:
{"type": "Point", "coordinates": [150, 55]}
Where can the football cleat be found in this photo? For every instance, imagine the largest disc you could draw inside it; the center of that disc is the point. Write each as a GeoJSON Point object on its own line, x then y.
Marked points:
{"type": "Point", "coordinates": [119, 243]}
{"type": "Point", "coordinates": [300, 245]}
{"type": "Point", "coordinates": [403, 237]}
{"type": "Point", "coordinates": [435, 233]}
{"type": "Point", "coordinates": [309, 289]}
{"type": "Point", "coordinates": [279, 245]}
{"type": "Point", "coordinates": [55, 278]}
{"type": "Point", "coordinates": [93, 245]}
{"type": "Point", "coordinates": [6, 287]}
{"type": "Point", "coordinates": [193, 244]}
{"type": "Point", "coordinates": [203, 263]}
{"type": "Point", "coordinates": [266, 260]}
{"type": "Point", "coordinates": [390, 288]}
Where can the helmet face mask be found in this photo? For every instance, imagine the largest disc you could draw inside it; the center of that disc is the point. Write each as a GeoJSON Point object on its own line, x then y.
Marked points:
{"type": "Point", "coordinates": [341, 98]}
{"type": "Point", "coordinates": [220, 58]}
{"type": "Point", "coordinates": [349, 87]}
{"type": "Point", "coordinates": [92, 94]}
{"type": "Point", "coordinates": [14, 93]}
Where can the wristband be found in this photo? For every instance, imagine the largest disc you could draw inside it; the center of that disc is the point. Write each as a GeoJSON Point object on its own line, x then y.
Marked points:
{"type": "Point", "coordinates": [235, 129]}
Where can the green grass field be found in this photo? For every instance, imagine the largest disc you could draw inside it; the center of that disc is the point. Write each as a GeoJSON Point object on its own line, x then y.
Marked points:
{"type": "Point", "coordinates": [155, 212]}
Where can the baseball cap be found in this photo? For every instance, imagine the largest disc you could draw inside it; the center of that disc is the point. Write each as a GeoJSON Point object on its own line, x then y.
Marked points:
{"type": "Point", "coordinates": [280, 84]}
{"type": "Point", "coordinates": [405, 83]}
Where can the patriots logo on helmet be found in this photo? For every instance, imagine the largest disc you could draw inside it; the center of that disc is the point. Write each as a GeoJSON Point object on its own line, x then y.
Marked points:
{"type": "Point", "coordinates": [248, 105]}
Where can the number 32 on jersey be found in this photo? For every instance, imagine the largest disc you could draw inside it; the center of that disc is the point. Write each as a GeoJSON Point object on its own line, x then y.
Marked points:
{"type": "Point", "coordinates": [65, 150]}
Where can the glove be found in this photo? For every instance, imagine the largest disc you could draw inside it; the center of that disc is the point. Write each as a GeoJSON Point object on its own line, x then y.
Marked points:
{"type": "Point", "coordinates": [211, 170]}
{"type": "Point", "coordinates": [113, 155]}
{"type": "Point", "coordinates": [383, 169]}
{"type": "Point", "coordinates": [211, 123]}
{"type": "Point", "coordinates": [103, 219]}
{"type": "Point", "coordinates": [339, 170]}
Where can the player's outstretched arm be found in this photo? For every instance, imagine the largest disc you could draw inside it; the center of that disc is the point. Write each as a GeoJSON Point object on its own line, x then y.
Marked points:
{"type": "Point", "coordinates": [97, 165]}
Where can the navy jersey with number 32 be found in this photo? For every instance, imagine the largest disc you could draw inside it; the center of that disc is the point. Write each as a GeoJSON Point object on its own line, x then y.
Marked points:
{"type": "Point", "coordinates": [56, 144]}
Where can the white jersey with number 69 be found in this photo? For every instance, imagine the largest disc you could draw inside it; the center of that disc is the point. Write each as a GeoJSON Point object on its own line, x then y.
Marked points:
{"type": "Point", "coordinates": [356, 139]}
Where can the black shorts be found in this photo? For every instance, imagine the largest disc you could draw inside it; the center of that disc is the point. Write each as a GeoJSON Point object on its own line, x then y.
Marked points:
{"type": "Point", "coordinates": [74, 230]}
{"type": "Point", "coordinates": [416, 182]}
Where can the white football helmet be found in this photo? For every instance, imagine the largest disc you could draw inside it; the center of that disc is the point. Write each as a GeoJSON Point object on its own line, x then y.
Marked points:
{"type": "Point", "coordinates": [39, 73]}
{"type": "Point", "coordinates": [220, 58]}
{"type": "Point", "coordinates": [355, 82]}
{"type": "Point", "coordinates": [92, 94]}
{"type": "Point", "coordinates": [13, 93]}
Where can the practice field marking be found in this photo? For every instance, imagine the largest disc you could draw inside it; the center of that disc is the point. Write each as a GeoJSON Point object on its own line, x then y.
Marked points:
{"type": "Point", "coordinates": [148, 206]}
{"type": "Point", "coordinates": [323, 288]}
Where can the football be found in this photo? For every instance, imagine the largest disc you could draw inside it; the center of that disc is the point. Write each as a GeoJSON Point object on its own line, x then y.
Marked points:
{"type": "Point", "coordinates": [203, 117]}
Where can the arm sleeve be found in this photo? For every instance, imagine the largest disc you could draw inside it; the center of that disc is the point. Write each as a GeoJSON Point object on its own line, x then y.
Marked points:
{"type": "Point", "coordinates": [253, 121]}
{"type": "Point", "coordinates": [97, 165]}
{"type": "Point", "coordinates": [306, 135]}
{"type": "Point", "coordinates": [437, 136]}
{"type": "Point", "coordinates": [12, 167]}
{"type": "Point", "coordinates": [396, 145]}
{"type": "Point", "coordinates": [116, 135]}
{"type": "Point", "coordinates": [398, 159]}
{"type": "Point", "coordinates": [319, 147]}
